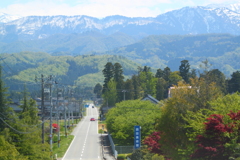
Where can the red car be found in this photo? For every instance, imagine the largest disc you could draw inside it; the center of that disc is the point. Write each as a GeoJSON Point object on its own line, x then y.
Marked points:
{"type": "Point", "coordinates": [92, 119]}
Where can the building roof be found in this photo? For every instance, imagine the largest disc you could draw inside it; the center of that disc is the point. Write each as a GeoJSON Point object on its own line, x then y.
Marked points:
{"type": "Point", "coordinates": [150, 98]}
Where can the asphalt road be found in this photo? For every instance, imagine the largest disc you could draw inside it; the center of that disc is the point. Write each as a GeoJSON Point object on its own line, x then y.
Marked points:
{"type": "Point", "coordinates": [86, 143]}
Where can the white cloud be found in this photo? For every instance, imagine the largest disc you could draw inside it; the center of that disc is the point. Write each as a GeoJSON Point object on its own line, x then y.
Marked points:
{"type": "Point", "coordinates": [100, 8]}
{"type": "Point", "coordinates": [96, 8]}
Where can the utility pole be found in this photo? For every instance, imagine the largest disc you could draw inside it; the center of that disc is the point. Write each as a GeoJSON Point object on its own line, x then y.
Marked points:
{"type": "Point", "coordinates": [42, 107]}
{"type": "Point", "coordinates": [124, 91]}
{"type": "Point", "coordinates": [65, 123]}
{"type": "Point", "coordinates": [72, 105]}
{"type": "Point", "coordinates": [42, 104]}
{"type": "Point", "coordinates": [51, 133]}
{"type": "Point", "coordinates": [58, 117]}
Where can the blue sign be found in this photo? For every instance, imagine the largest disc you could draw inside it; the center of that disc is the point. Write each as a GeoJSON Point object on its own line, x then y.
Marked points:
{"type": "Point", "coordinates": [137, 137]}
{"type": "Point", "coordinates": [86, 105]}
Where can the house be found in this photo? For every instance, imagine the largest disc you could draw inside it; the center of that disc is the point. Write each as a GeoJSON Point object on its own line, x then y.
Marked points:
{"type": "Point", "coordinates": [150, 98]}
{"type": "Point", "coordinates": [15, 106]}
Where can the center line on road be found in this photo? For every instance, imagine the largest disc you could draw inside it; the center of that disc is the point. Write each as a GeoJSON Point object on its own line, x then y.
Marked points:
{"type": "Point", "coordinates": [85, 138]}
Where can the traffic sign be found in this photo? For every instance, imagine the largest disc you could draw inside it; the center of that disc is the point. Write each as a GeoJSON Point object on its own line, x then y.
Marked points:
{"type": "Point", "coordinates": [137, 137]}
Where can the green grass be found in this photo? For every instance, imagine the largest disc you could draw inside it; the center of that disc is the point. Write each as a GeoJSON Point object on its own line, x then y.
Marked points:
{"type": "Point", "coordinates": [64, 141]}
{"type": "Point", "coordinates": [64, 144]}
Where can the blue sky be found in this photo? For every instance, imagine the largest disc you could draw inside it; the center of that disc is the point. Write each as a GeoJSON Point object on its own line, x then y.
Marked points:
{"type": "Point", "coordinates": [99, 8]}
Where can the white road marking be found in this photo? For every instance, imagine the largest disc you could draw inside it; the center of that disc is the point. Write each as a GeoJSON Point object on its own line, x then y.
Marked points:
{"type": "Point", "coordinates": [85, 139]}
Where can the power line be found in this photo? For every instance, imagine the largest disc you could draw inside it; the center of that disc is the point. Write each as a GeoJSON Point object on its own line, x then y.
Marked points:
{"type": "Point", "coordinates": [12, 120]}
{"type": "Point", "coordinates": [15, 129]}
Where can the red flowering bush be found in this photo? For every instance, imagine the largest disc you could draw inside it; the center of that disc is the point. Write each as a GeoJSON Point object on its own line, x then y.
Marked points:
{"type": "Point", "coordinates": [153, 143]}
{"type": "Point", "coordinates": [217, 134]}
{"type": "Point", "coordinates": [56, 128]}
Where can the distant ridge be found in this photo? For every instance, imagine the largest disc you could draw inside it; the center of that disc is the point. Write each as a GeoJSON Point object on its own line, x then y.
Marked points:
{"type": "Point", "coordinates": [187, 20]}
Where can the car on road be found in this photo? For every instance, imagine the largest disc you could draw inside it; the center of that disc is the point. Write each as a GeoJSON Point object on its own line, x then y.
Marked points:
{"type": "Point", "coordinates": [92, 119]}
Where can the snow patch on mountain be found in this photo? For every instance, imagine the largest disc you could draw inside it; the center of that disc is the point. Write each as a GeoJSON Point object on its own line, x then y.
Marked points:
{"type": "Point", "coordinates": [5, 18]}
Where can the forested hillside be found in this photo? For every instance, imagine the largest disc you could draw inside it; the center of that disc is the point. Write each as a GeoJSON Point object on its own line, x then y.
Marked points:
{"type": "Point", "coordinates": [69, 44]}
{"type": "Point", "coordinates": [156, 51]}
{"type": "Point", "coordinates": [84, 71]}
{"type": "Point", "coordinates": [159, 51]}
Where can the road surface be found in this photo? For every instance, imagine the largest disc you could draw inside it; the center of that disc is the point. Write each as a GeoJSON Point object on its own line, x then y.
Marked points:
{"type": "Point", "coordinates": [86, 144]}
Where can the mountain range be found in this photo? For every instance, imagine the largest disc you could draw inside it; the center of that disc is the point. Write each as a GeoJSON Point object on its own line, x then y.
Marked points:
{"type": "Point", "coordinates": [193, 33]}
{"type": "Point", "coordinates": [187, 20]}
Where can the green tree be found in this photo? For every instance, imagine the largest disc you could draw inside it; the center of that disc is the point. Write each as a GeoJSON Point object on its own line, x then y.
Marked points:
{"type": "Point", "coordinates": [174, 78]}
{"type": "Point", "coordinates": [148, 82]}
{"type": "Point", "coordinates": [121, 119]}
{"type": "Point", "coordinates": [193, 73]}
{"type": "Point", "coordinates": [234, 82]}
{"type": "Point", "coordinates": [159, 73]}
{"type": "Point", "coordinates": [118, 78]}
{"type": "Point", "coordinates": [9, 151]}
{"type": "Point", "coordinates": [219, 78]}
{"type": "Point", "coordinates": [129, 90]}
{"type": "Point", "coordinates": [184, 98]}
{"type": "Point", "coordinates": [4, 107]}
{"type": "Point", "coordinates": [26, 135]}
{"type": "Point", "coordinates": [136, 87]}
{"type": "Point", "coordinates": [98, 90]}
{"type": "Point", "coordinates": [166, 73]}
{"type": "Point", "coordinates": [161, 89]}
{"type": "Point", "coordinates": [110, 96]}
{"type": "Point", "coordinates": [108, 75]}
{"type": "Point", "coordinates": [223, 106]}
{"type": "Point", "coordinates": [184, 70]}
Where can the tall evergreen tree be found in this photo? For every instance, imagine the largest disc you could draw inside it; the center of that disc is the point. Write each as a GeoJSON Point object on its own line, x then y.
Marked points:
{"type": "Point", "coordinates": [27, 135]}
{"type": "Point", "coordinates": [159, 73]}
{"type": "Point", "coordinates": [148, 81]}
{"type": "Point", "coordinates": [234, 82]}
{"type": "Point", "coordinates": [98, 90]}
{"type": "Point", "coordinates": [166, 73]}
{"type": "Point", "coordinates": [129, 90]}
{"type": "Point", "coordinates": [108, 74]}
{"type": "Point", "coordinates": [161, 88]}
{"type": "Point", "coordinates": [193, 73]}
{"type": "Point", "coordinates": [4, 103]}
{"type": "Point", "coordinates": [136, 87]}
{"type": "Point", "coordinates": [184, 70]}
{"type": "Point", "coordinates": [219, 78]}
{"type": "Point", "coordinates": [110, 95]}
{"type": "Point", "coordinates": [118, 78]}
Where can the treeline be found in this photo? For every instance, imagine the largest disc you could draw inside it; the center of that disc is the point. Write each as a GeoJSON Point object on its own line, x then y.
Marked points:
{"type": "Point", "coordinates": [20, 133]}
{"type": "Point", "coordinates": [115, 89]}
{"type": "Point", "coordinates": [81, 71]}
{"type": "Point", "coordinates": [199, 121]}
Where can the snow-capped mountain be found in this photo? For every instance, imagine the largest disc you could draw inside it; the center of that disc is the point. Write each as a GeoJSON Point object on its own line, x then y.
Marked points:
{"type": "Point", "coordinates": [188, 20]}
{"type": "Point", "coordinates": [233, 7]}
{"type": "Point", "coordinates": [5, 18]}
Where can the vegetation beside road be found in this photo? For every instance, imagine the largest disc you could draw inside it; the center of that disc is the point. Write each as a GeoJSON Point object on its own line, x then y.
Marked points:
{"type": "Point", "coordinates": [198, 116]}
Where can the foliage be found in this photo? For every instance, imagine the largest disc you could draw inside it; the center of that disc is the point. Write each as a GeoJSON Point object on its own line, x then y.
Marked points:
{"type": "Point", "coordinates": [211, 144]}
{"type": "Point", "coordinates": [184, 69]}
{"type": "Point", "coordinates": [110, 95]}
{"type": "Point", "coordinates": [136, 155]}
{"type": "Point", "coordinates": [152, 142]}
{"type": "Point", "coordinates": [98, 90]}
{"type": "Point", "coordinates": [198, 127]}
{"type": "Point", "coordinates": [9, 151]}
{"type": "Point", "coordinates": [5, 110]}
{"type": "Point", "coordinates": [120, 120]}
{"type": "Point", "coordinates": [147, 81]}
{"type": "Point", "coordinates": [84, 71]}
{"type": "Point", "coordinates": [174, 140]}
{"type": "Point", "coordinates": [108, 75]}
{"type": "Point", "coordinates": [234, 82]}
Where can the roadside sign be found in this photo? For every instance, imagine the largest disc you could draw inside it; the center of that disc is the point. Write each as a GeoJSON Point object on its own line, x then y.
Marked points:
{"type": "Point", "coordinates": [137, 137]}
